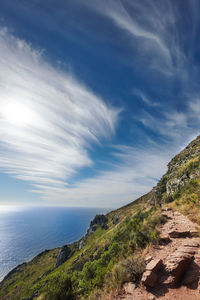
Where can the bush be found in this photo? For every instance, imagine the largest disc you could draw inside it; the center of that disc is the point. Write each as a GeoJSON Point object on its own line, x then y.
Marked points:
{"type": "Point", "coordinates": [130, 269]}
{"type": "Point", "coordinates": [176, 194]}
{"type": "Point", "coordinates": [169, 199]}
{"type": "Point", "coordinates": [134, 266]}
{"type": "Point", "coordinates": [62, 290]}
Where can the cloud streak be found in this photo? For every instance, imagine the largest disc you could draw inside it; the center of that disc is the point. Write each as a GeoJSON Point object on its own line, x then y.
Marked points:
{"type": "Point", "coordinates": [154, 30]}
{"type": "Point", "coordinates": [48, 119]}
{"type": "Point", "coordinates": [145, 99]}
{"type": "Point", "coordinates": [136, 172]}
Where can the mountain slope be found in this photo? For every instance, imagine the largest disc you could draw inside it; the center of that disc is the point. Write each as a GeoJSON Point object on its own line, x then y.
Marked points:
{"type": "Point", "coordinates": [115, 246]}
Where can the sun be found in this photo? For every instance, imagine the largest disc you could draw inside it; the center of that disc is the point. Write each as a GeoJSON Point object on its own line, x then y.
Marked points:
{"type": "Point", "coordinates": [17, 114]}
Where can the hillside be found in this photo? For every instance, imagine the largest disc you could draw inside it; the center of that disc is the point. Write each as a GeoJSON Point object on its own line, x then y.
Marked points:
{"type": "Point", "coordinates": [115, 249]}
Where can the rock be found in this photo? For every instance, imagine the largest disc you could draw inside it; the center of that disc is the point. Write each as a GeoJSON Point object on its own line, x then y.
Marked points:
{"type": "Point", "coordinates": [178, 263]}
{"type": "Point", "coordinates": [154, 265]}
{"type": "Point", "coordinates": [148, 259]}
{"type": "Point", "coordinates": [92, 229]}
{"type": "Point", "coordinates": [191, 243]}
{"type": "Point", "coordinates": [129, 287]}
{"type": "Point", "coordinates": [151, 297]}
{"type": "Point", "coordinates": [149, 278]}
{"type": "Point", "coordinates": [63, 255]}
{"type": "Point", "coordinates": [101, 220]}
{"type": "Point", "coordinates": [192, 275]}
{"type": "Point", "coordinates": [81, 244]}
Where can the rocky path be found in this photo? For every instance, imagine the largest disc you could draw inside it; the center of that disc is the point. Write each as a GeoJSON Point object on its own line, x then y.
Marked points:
{"type": "Point", "coordinates": [173, 270]}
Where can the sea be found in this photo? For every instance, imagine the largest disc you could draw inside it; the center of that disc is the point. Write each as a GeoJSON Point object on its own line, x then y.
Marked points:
{"type": "Point", "coordinates": [25, 232]}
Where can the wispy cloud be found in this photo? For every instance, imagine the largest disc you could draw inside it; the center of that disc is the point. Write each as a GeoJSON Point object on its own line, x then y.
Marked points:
{"type": "Point", "coordinates": [137, 170]}
{"type": "Point", "coordinates": [141, 95]}
{"type": "Point", "coordinates": [48, 119]}
{"type": "Point", "coordinates": [149, 27]}
{"type": "Point", "coordinates": [176, 126]}
{"type": "Point", "coordinates": [154, 30]}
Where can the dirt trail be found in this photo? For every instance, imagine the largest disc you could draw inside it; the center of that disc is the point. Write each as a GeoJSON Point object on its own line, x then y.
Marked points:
{"type": "Point", "coordinates": [179, 240]}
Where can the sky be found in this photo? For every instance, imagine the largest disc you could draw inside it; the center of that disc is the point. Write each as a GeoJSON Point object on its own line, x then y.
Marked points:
{"type": "Point", "coordinates": [96, 97]}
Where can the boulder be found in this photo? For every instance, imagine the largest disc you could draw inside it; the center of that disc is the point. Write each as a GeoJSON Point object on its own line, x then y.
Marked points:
{"type": "Point", "coordinates": [150, 276]}
{"type": "Point", "coordinates": [179, 262]}
{"type": "Point", "coordinates": [149, 279]}
{"type": "Point", "coordinates": [63, 255]}
{"type": "Point", "coordinates": [154, 265]}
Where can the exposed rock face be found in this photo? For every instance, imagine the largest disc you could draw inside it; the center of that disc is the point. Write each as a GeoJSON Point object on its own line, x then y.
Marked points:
{"type": "Point", "coordinates": [100, 220]}
{"type": "Point", "coordinates": [92, 229]}
{"type": "Point", "coordinates": [182, 168]}
{"type": "Point", "coordinates": [63, 255]}
{"type": "Point", "coordinates": [176, 178]}
{"type": "Point", "coordinates": [82, 243]}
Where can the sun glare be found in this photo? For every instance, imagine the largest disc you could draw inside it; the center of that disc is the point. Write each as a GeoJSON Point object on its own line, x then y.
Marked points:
{"type": "Point", "coordinates": [17, 114]}
{"type": "Point", "coordinates": [9, 208]}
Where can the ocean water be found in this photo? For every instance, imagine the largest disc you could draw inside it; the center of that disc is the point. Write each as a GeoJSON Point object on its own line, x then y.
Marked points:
{"type": "Point", "coordinates": [25, 232]}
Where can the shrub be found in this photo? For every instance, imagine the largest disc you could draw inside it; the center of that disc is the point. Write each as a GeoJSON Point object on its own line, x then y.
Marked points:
{"type": "Point", "coordinates": [169, 199]}
{"type": "Point", "coordinates": [62, 290]}
{"type": "Point", "coordinates": [176, 194]}
{"type": "Point", "coordinates": [130, 269]}
{"type": "Point", "coordinates": [134, 266]}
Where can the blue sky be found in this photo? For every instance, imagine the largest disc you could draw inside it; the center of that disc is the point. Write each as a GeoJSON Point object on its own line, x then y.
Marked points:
{"type": "Point", "coordinates": [95, 97]}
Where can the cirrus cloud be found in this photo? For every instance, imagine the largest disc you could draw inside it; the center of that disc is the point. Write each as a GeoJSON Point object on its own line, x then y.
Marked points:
{"type": "Point", "coordinates": [48, 119]}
